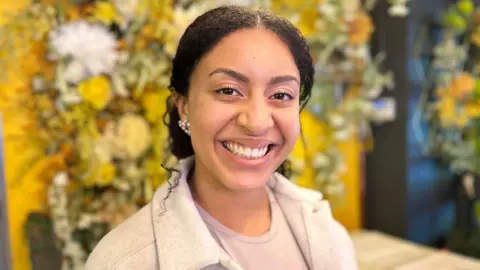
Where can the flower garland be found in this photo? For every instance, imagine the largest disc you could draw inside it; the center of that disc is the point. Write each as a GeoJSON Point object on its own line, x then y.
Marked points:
{"type": "Point", "coordinates": [454, 111]}
{"type": "Point", "coordinates": [101, 98]}
{"type": "Point", "coordinates": [348, 84]}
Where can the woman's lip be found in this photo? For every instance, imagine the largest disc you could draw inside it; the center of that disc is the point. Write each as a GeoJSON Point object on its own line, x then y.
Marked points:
{"type": "Point", "coordinates": [250, 143]}
{"type": "Point", "coordinates": [245, 161]}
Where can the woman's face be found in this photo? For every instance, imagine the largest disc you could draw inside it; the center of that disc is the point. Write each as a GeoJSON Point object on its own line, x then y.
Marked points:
{"type": "Point", "coordinates": [243, 109]}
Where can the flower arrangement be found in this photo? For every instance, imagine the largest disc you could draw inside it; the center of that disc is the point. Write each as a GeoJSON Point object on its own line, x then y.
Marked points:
{"type": "Point", "coordinates": [450, 106]}
{"type": "Point", "coordinates": [100, 102]}
{"type": "Point", "coordinates": [101, 97]}
{"type": "Point", "coordinates": [453, 111]}
{"type": "Point", "coordinates": [348, 84]}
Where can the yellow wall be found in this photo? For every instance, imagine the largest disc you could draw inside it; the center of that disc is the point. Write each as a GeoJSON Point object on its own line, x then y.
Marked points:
{"type": "Point", "coordinates": [28, 194]}
{"type": "Point", "coordinates": [347, 211]}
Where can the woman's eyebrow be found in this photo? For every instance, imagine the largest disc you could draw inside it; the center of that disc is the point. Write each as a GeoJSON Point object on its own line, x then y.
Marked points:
{"type": "Point", "coordinates": [231, 73]}
{"type": "Point", "coordinates": [242, 78]}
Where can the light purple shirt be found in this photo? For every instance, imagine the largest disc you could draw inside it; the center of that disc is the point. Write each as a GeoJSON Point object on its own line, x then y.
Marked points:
{"type": "Point", "coordinates": [276, 249]}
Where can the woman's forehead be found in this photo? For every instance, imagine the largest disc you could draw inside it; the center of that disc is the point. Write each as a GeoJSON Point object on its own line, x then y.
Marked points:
{"type": "Point", "coordinates": [251, 50]}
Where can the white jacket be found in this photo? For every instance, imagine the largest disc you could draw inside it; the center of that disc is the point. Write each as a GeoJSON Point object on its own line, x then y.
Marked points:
{"type": "Point", "coordinates": [173, 236]}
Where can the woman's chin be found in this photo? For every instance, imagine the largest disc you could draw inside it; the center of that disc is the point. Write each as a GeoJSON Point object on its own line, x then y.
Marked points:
{"type": "Point", "coordinates": [242, 180]}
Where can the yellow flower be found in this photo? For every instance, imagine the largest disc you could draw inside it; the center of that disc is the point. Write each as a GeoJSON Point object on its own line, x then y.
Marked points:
{"type": "Point", "coordinates": [446, 108]}
{"type": "Point", "coordinates": [99, 175]}
{"type": "Point", "coordinates": [472, 109]}
{"type": "Point", "coordinates": [148, 32]}
{"type": "Point", "coordinates": [174, 29]}
{"type": "Point", "coordinates": [154, 104]}
{"type": "Point", "coordinates": [156, 174]}
{"type": "Point", "coordinates": [476, 36]}
{"type": "Point", "coordinates": [73, 14]}
{"type": "Point", "coordinates": [463, 85]}
{"type": "Point", "coordinates": [96, 91]}
{"type": "Point", "coordinates": [307, 15]}
{"type": "Point", "coordinates": [106, 13]}
{"type": "Point", "coordinates": [360, 29]}
{"type": "Point", "coordinates": [158, 10]}
{"type": "Point", "coordinates": [45, 104]}
{"type": "Point", "coordinates": [79, 114]}
{"type": "Point", "coordinates": [448, 113]}
{"type": "Point", "coordinates": [106, 174]}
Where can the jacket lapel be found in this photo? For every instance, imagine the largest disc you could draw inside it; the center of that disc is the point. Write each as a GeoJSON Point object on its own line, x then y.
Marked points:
{"type": "Point", "coordinates": [309, 218]}
{"type": "Point", "coordinates": [182, 238]}
{"type": "Point", "coordinates": [318, 222]}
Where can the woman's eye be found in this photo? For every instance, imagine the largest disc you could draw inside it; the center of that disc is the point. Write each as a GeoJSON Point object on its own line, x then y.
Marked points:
{"type": "Point", "coordinates": [228, 92]}
{"type": "Point", "coordinates": [282, 96]}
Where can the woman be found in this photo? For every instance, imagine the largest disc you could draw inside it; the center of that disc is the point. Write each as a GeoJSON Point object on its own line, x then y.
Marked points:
{"type": "Point", "coordinates": [240, 79]}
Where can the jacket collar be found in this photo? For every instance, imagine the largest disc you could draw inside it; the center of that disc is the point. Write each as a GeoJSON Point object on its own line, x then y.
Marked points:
{"type": "Point", "coordinates": [184, 241]}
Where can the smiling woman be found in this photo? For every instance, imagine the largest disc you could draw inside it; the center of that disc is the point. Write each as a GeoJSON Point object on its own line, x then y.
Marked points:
{"type": "Point", "coordinates": [240, 78]}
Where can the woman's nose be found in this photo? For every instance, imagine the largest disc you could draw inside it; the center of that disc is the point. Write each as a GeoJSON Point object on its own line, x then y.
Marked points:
{"type": "Point", "coordinates": [256, 116]}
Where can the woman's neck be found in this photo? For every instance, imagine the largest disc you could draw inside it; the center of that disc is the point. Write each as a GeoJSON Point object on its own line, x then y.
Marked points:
{"type": "Point", "coordinates": [244, 212]}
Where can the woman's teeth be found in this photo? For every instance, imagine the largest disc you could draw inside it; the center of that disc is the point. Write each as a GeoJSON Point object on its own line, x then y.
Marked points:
{"type": "Point", "coordinates": [245, 152]}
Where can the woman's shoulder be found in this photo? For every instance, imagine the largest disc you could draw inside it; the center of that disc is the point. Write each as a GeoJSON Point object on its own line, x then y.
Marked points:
{"type": "Point", "coordinates": [130, 243]}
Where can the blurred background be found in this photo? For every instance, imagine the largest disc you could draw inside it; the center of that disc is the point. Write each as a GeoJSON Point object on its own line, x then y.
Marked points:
{"type": "Point", "coordinates": [390, 136]}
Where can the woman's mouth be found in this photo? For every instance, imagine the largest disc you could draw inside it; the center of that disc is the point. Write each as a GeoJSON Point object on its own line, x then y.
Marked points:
{"type": "Point", "coordinates": [247, 152]}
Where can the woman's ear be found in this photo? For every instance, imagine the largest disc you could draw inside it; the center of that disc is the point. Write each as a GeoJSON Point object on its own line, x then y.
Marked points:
{"type": "Point", "coordinates": [182, 106]}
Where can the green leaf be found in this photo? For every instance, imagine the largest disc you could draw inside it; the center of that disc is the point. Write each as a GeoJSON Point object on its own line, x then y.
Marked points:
{"type": "Point", "coordinates": [466, 7]}
{"type": "Point", "coordinates": [454, 20]}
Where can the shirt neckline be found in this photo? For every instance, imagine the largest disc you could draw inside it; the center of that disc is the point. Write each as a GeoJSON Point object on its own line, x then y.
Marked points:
{"type": "Point", "coordinates": [218, 228]}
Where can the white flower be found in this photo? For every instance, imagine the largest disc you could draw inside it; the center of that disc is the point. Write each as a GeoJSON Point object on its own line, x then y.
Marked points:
{"type": "Point", "coordinates": [320, 161]}
{"type": "Point", "coordinates": [349, 9]}
{"type": "Point", "coordinates": [75, 72]}
{"type": "Point", "coordinates": [90, 44]}
{"type": "Point", "coordinates": [103, 149]}
{"type": "Point", "coordinates": [341, 166]}
{"type": "Point", "coordinates": [181, 19]}
{"type": "Point", "coordinates": [361, 52]}
{"type": "Point", "coordinates": [342, 135]}
{"type": "Point", "coordinates": [129, 138]}
{"type": "Point", "coordinates": [337, 120]}
{"type": "Point", "coordinates": [119, 85]}
{"type": "Point", "coordinates": [38, 84]}
{"type": "Point", "coordinates": [298, 164]}
{"type": "Point", "coordinates": [328, 10]}
{"type": "Point", "coordinates": [75, 251]}
{"type": "Point", "coordinates": [468, 182]}
{"type": "Point", "coordinates": [126, 8]}
{"type": "Point", "coordinates": [60, 179]}
{"type": "Point", "coordinates": [398, 10]}
{"type": "Point", "coordinates": [132, 171]}
{"type": "Point", "coordinates": [71, 97]}
{"type": "Point", "coordinates": [85, 221]}
{"type": "Point", "coordinates": [374, 92]}
{"type": "Point", "coordinates": [336, 188]}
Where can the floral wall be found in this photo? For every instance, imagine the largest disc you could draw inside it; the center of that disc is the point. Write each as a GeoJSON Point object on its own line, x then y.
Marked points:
{"type": "Point", "coordinates": [36, 177]}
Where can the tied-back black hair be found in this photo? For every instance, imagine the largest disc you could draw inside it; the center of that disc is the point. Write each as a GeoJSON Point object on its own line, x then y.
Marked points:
{"type": "Point", "coordinates": [202, 35]}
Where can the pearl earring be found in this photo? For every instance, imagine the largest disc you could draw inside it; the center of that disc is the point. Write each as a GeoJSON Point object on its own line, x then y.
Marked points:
{"type": "Point", "coordinates": [185, 126]}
